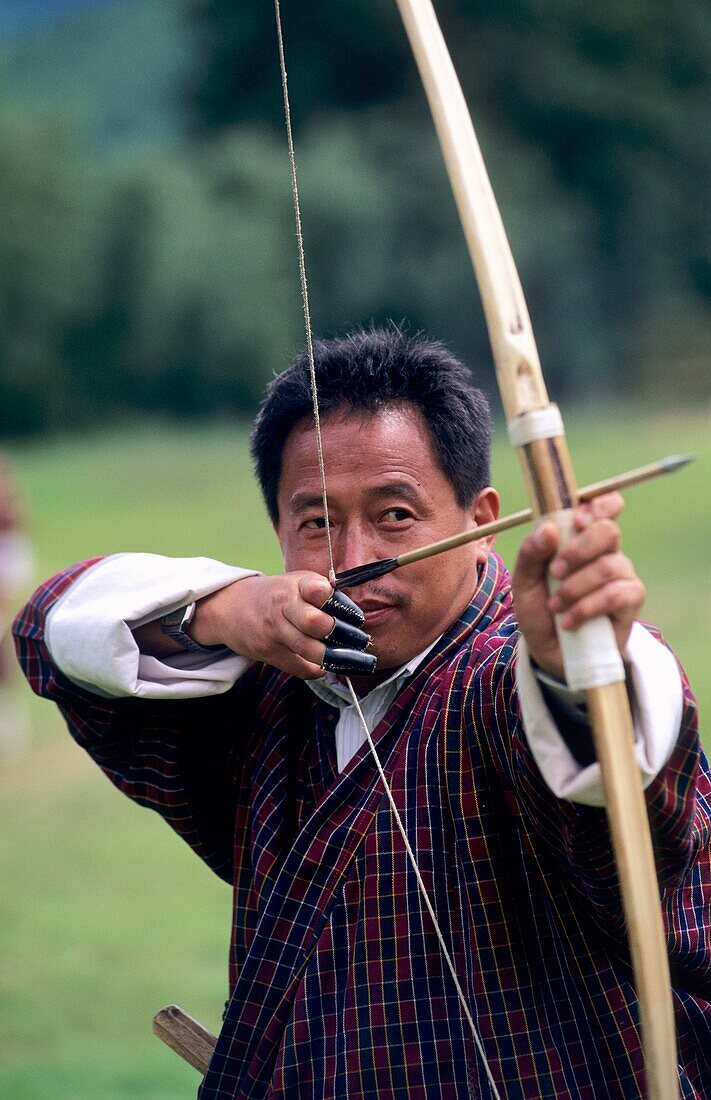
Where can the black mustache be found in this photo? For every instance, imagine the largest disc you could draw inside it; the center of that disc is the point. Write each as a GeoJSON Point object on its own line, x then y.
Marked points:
{"type": "Point", "coordinates": [387, 595]}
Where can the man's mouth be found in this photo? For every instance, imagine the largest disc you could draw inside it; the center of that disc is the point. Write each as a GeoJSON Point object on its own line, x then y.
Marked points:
{"type": "Point", "coordinates": [377, 608]}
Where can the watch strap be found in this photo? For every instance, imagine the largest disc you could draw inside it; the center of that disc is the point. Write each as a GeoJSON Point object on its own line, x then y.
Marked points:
{"type": "Point", "coordinates": [175, 625]}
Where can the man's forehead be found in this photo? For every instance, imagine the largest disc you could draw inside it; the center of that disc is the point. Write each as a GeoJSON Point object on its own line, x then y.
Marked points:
{"type": "Point", "coordinates": [355, 418]}
{"type": "Point", "coordinates": [388, 446]}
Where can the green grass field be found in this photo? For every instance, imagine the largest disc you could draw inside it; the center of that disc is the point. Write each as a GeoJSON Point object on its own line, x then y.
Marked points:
{"type": "Point", "coordinates": [106, 917]}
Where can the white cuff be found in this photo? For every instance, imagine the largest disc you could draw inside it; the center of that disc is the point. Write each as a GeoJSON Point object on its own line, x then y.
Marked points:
{"type": "Point", "coordinates": [658, 702]}
{"type": "Point", "coordinates": [88, 631]}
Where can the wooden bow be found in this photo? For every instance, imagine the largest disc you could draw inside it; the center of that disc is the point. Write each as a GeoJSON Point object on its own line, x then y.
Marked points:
{"type": "Point", "coordinates": [535, 428]}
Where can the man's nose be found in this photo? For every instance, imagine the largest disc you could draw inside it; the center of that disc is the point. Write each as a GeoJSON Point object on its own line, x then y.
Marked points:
{"type": "Point", "coordinates": [353, 545]}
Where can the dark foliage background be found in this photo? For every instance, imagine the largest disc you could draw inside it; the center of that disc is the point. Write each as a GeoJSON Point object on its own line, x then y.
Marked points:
{"type": "Point", "coordinates": [147, 257]}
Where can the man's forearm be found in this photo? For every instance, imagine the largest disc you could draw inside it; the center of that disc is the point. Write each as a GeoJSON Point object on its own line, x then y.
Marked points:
{"type": "Point", "coordinates": [152, 641]}
{"type": "Point", "coordinates": [104, 631]}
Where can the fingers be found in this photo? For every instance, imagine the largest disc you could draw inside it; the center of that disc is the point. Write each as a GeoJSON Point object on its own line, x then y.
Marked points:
{"type": "Point", "coordinates": [312, 587]}
{"type": "Point", "coordinates": [592, 577]}
{"type": "Point", "coordinates": [593, 537]}
{"type": "Point", "coordinates": [349, 660]}
{"type": "Point", "coordinates": [607, 506]}
{"type": "Point", "coordinates": [595, 534]}
{"type": "Point", "coordinates": [606, 586]}
{"type": "Point", "coordinates": [601, 570]}
{"type": "Point", "coordinates": [293, 641]}
{"type": "Point", "coordinates": [323, 628]}
{"type": "Point", "coordinates": [343, 634]}
{"type": "Point", "coordinates": [279, 621]}
{"type": "Point", "coordinates": [620, 599]}
{"type": "Point", "coordinates": [336, 620]}
{"type": "Point", "coordinates": [535, 552]}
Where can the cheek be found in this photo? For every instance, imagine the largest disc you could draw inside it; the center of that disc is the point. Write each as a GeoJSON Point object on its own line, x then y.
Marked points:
{"type": "Point", "coordinates": [447, 573]}
{"type": "Point", "coordinates": [298, 556]}
{"type": "Point", "coordinates": [289, 548]}
{"type": "Point", "coordinates": [427, 594]}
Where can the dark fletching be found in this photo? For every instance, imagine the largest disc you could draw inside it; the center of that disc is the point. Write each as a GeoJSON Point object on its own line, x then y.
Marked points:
{"type": "Point", "coordinates": [362, 573]}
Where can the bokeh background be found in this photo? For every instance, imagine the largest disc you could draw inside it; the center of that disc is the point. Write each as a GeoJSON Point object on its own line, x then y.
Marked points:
{"type": "Point", "coordinates": [148, 290]}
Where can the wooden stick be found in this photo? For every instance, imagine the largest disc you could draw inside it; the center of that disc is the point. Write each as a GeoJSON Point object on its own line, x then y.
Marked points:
{"type": "Point", "coordinates": [185, 1036]}
{"type": "Point", "coordinates": [362, 573]}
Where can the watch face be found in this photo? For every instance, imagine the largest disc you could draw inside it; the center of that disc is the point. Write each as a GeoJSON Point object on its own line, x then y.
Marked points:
{"type": "Point", "coordinates": [173, 618]}
{"type": "Point", "coordinates": [174, 625]}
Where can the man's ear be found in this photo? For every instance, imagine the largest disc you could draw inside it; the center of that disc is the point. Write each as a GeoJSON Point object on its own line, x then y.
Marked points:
{"type": "Point", "coordinates": [485, 509]}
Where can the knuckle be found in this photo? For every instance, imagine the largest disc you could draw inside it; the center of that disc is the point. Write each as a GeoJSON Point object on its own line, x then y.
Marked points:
{"type": "Point", "coordinates": [281, 593]}
{"type": "Point", "coordinates": [622, 596]}
{"type": "Point", "coordinates": [609, 568]}
{"type": "Point", "coordinates": [627, 568]}
{"type": "Point", "coordinates": [313, 588]}
{"type": "Point", "coordinates": [316, 623]}
{"type": "Point", "coordinates": [610, 531]}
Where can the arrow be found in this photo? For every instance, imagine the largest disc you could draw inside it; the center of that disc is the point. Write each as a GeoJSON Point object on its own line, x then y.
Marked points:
{"type": "Point", "coordinates": [349, 578]}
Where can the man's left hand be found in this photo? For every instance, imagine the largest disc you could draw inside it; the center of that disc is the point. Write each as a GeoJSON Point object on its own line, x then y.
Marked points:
{"type": "Point", "coordinates": [594, 577]}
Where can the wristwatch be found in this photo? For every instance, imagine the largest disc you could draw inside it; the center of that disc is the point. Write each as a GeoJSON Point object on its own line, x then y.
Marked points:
{"type": "Point", "coordinates": [175, 624]}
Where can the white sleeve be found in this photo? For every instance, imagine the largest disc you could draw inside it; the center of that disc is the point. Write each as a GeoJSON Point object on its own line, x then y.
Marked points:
{"type": "Point", "coordinates": [656, 714]}
{"type": "Point", "coordinates": [88, 631]}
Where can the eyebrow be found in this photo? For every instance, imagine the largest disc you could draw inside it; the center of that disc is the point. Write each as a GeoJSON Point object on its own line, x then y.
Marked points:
{"type": "Point", "coordinates": [301, 502]}
{"type": "Point", "coordinates": [405, 490]}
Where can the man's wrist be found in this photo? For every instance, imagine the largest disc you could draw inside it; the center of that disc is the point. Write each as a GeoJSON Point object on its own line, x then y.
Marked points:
{"type": "Point", "coordinates": [204, 628]}
{"type": "Point", "coordinates": [558, 687]}
{"type": "Point", "coordinates": [556, 677]}
{"type": "Point", "coordinates": [207, 627]}
{"type": "Point", "coordinates": [176, 626]}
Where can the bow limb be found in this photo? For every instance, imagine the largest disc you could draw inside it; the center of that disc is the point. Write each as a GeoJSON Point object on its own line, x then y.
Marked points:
{"type": "Point", "coordinates": [535, 428]}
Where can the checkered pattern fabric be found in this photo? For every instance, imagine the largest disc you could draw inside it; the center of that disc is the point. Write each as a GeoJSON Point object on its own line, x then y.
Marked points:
{"type": "Point", "coordinates": [338, 988]}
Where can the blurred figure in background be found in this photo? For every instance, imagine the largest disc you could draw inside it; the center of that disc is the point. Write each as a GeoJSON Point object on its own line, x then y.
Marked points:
{"type": "Point", "coordinates": [17, 562]}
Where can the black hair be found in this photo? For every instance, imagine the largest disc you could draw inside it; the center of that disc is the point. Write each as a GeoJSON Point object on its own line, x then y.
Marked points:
{"type": "Point", "coordinates": [365, 372]}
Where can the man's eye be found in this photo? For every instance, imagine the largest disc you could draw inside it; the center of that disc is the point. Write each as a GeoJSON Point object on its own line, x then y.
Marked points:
{"type": "Point", "coordinates": [316, 523]}
{"type": "Point", "coordinates": [397, 515]}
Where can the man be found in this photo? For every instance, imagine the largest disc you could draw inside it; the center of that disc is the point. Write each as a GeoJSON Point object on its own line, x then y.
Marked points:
{"type": "Point", "coordinates": [199, 688]}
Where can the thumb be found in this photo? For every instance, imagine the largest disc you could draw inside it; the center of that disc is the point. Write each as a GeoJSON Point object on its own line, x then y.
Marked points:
{"type": "Point", "coordinates": [315, 589]}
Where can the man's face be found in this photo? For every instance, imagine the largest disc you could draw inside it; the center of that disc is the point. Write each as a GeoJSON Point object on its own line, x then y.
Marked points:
{"type": "Point", "coordinates": [386, 494]}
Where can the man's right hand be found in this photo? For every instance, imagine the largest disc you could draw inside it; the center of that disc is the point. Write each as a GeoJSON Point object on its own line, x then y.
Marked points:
{"type": "Point", "coordinates": [281, 621]}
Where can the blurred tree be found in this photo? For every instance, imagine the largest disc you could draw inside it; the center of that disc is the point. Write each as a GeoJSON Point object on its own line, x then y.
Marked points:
{"type": "Point", "coordinates": [218, 310]}
{"type": "Point", "coordinates": [616, 95]}
{"type": "Point", "coordinates": [594, 117]}
{"type": "Point", "coordinates": [44, 268]}
{"type": "Point", "coordinates": [162, 276]}
{"type": "Point", "coordinates": [346, 54]}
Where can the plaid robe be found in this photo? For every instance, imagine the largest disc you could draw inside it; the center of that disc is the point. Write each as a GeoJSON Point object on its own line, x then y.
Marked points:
{"type": "Point", "coordinates": [338, 987]}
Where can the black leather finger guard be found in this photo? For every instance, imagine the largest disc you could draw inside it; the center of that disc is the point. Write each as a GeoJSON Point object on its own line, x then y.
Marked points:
{"type": "Point", "coordinates": [344, 609]}
{"type": "Point", "coordinates": [351, 637]}
{"type": "Point", "coordinates": [349, 662]}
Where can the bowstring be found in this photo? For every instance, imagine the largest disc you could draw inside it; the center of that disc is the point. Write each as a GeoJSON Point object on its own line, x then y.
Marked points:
{"type": "Point", "coordinates": [331, 568]}
{"type": "Point", "coordinates": [304, 285]}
